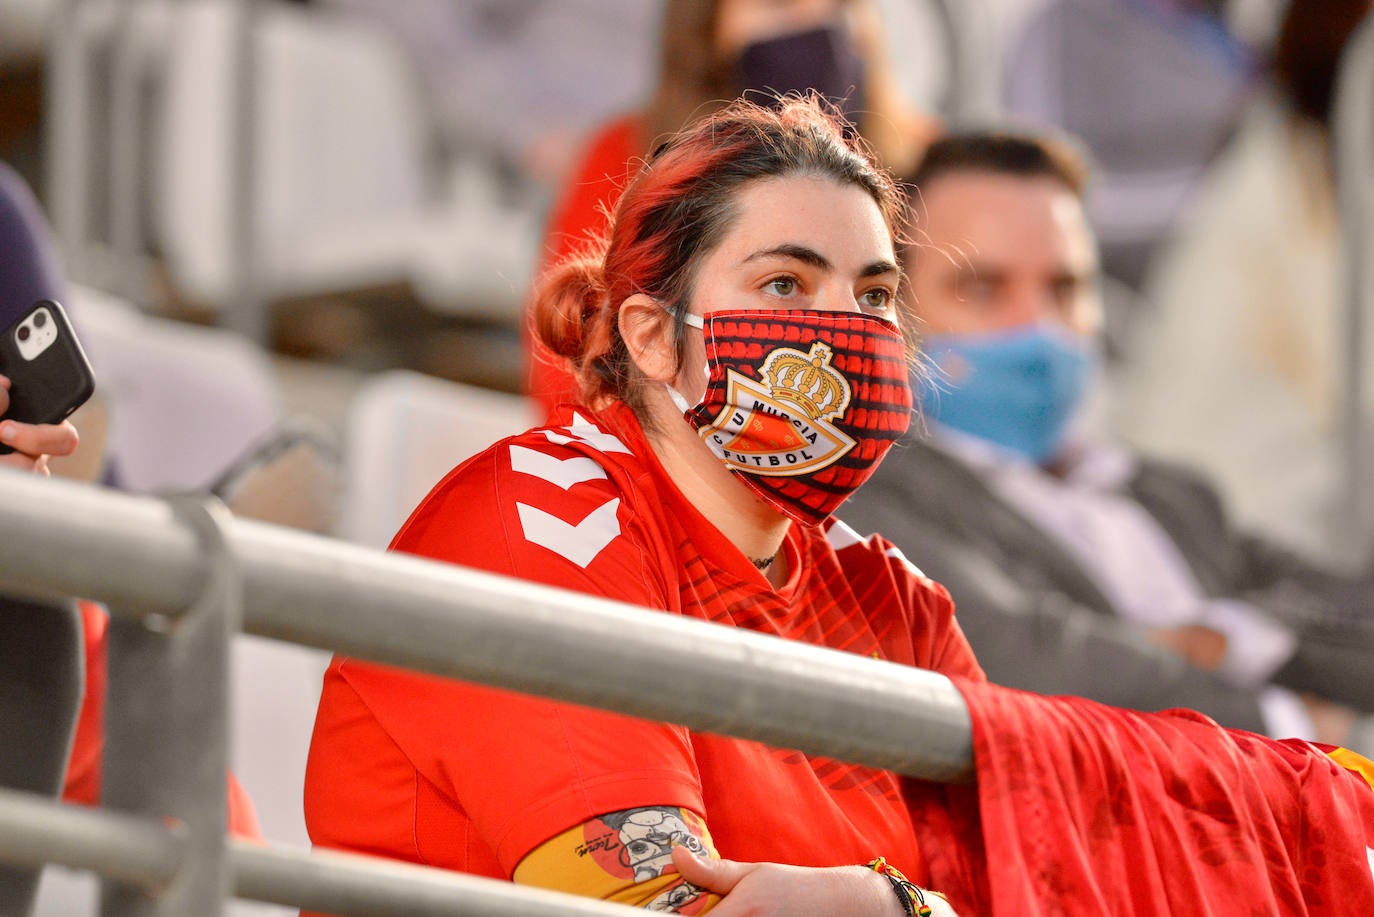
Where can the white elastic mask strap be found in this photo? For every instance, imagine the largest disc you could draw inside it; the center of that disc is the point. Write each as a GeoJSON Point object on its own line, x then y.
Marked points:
{"type": "Point", "coordinates": [691, 321]}
{"type": "Point", "coordinates": [688, 319]}
{"type": "Point", "coordinates": [678, 400]}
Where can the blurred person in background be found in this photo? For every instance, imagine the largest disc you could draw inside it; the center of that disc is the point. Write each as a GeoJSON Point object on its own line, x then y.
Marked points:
{"type": "Point", "coordinates": [758, 244]}
{"type": "Point", "coordinates": [30, 270]}
{"type": "Point", "coordinates": [712, 51]}
{"type": "Point", "coordinates": [1239, 365]}
{"type": "Point", "coordinates": [1036, 528]}
{"type": "Point", "coordinates": [41, 646]}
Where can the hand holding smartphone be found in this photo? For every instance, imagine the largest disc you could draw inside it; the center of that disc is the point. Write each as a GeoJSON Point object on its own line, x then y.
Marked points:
{"type": "Point", "coordinates": [49, 374]}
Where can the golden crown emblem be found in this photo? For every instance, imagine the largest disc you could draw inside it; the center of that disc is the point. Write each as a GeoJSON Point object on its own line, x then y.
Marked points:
{"type": "Point", "coordinates": [807, 381]}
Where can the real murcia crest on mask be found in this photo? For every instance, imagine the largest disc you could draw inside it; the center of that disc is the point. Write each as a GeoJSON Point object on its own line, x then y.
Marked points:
{"type": "Point", "coordinates": [781, 425]}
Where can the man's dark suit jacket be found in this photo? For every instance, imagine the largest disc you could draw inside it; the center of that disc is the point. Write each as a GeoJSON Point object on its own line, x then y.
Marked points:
{"type": "Point", "coordinates": [1039, 622]}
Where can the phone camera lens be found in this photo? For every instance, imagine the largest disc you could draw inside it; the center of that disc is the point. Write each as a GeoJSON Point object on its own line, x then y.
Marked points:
{"type": "Point", "coordinates": [40, 319]}
{"type": "Point", "coordinates": [23, 334]}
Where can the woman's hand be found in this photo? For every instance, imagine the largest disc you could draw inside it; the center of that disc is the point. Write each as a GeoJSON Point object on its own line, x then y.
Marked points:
{"type": "Point", "coordinates": [32, 443]}
{"type": "Point", "coordinates": [764, 889]}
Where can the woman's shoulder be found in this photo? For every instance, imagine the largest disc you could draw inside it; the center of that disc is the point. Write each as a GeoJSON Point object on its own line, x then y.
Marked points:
{"type": "Point", "coordinates": [876, 563]}
{"type": "Point", "coordinates": [894, 593]}
{"type": "Point", "coordinates": [569, 487]}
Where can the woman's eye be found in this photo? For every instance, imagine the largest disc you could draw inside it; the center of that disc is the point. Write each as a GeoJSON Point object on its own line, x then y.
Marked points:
{"type": "Point", "coordinates": [781, 286]}
{"type": "Point", "coordinates": [878, 299]}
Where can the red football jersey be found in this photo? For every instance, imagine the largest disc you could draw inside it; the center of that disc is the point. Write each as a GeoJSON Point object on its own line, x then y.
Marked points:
{"type": "Point", "coordinates": [471, 778]}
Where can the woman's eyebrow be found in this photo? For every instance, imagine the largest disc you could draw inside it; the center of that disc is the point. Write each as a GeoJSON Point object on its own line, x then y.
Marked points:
{"type": "Point", "coordinates": [816, 259]}
{"type": "Point", "coordinates": [794, 251]}
{"type": "Point", "coordinates": [878, 268]}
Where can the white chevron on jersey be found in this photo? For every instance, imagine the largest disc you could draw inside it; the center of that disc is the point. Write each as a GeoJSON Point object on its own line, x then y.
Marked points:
{"type": "Point", "coordinates": [589, 433]}
{"type": "Point", "coordinates": [897, 553]}
{"type": "Point", "coordinates": [578, 543]}
{"type": "Point", "coordinates": [842, 536]}
{"type": "Point", "coordinates": [563, 472]}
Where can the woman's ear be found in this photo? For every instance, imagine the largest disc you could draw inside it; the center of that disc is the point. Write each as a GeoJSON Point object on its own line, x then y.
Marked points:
{"type": "Point", "coordinates": [647, 330]}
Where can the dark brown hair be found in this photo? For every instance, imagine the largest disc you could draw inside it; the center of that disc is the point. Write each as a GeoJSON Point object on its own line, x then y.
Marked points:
{"type": "Point", "coordinates": [1308, 52]}
{"type": "Point", "coordinates": [676, 211]}
{"type": "Point", "coordinates": [1021, 155]}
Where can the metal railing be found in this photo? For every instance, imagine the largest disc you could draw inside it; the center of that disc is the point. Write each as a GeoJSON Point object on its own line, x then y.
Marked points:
{"type": "Point", "coordinates": [180, 577]}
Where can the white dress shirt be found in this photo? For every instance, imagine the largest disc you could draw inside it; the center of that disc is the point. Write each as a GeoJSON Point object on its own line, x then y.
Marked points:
{"type": "Point", "coordinates": [1135, 563]}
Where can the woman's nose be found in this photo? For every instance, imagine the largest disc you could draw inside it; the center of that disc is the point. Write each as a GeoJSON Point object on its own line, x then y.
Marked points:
{"type": "Point", "coordinates": [837, 298]}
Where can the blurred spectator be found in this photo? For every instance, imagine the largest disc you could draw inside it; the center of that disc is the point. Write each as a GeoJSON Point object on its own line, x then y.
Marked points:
{"type": "Point", "coordinates": [1018, 514]}
{"type": "Point", "coordinates": [40, 693]}
{"type": "Point", "coordinates": [1239, 374]}
{"type": "Point", "coordinates": [41, 659]}
{"type": "Point", "coordinates": [712, 51]}
{"type": "Point", "coordinates": [28, 259]}
{"type": "Point", "coordinates": [29, 271]}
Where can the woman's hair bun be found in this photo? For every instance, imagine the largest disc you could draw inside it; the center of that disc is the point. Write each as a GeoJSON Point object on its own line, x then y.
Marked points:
{"type": "Point", "coordinates": [567, 301]}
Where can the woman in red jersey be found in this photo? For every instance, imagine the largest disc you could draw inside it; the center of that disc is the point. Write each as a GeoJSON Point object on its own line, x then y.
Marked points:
{"type": "Point", "coordinates": [742, 372]}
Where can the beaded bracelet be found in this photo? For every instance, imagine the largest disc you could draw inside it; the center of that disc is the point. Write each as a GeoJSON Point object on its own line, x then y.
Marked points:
{"type": "Point", "coordinates": [908, 892]}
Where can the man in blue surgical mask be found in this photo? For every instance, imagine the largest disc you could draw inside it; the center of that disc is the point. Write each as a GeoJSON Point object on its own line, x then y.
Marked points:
{"type": "Point", "coordinates": [1074, 562]}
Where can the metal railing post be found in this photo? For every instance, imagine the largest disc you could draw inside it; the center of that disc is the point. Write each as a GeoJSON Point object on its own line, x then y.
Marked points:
{"type": "Point", "coordinates": [246, 309]}
{"type": "Point", "coordinates": [1352, 130]}
{"type": "Point", "coordinates": [167, 742]}
{"type": "Point", "coordinates": [966, 99]}
{"type": "Point", "coordinates": [128, 158]}
{"type": "Point", "coordinates": [69, 134]}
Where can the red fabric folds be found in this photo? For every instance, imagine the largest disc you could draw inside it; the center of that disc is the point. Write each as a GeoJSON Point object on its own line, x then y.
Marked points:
{"type": "Point", "coordinates": [1087, 809]}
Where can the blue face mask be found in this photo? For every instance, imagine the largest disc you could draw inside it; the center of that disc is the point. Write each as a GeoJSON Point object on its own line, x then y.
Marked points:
{"type": "Point", "coordinates": [1018, 389]}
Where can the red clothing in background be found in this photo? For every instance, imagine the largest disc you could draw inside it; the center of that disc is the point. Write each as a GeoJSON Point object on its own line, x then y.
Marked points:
{"type": "Point", "coordinates": [1091, 810]}
{"type": "Point", "coordinates": [611, 160]}
{"type": "Point", "coordinates": [83, 770]}
{"type": "Point", "coordinates": [470, 778]}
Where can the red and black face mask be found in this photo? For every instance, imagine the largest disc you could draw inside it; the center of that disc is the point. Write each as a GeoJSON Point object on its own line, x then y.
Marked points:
{"type": "Point", "coordinates": [802, 405]}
